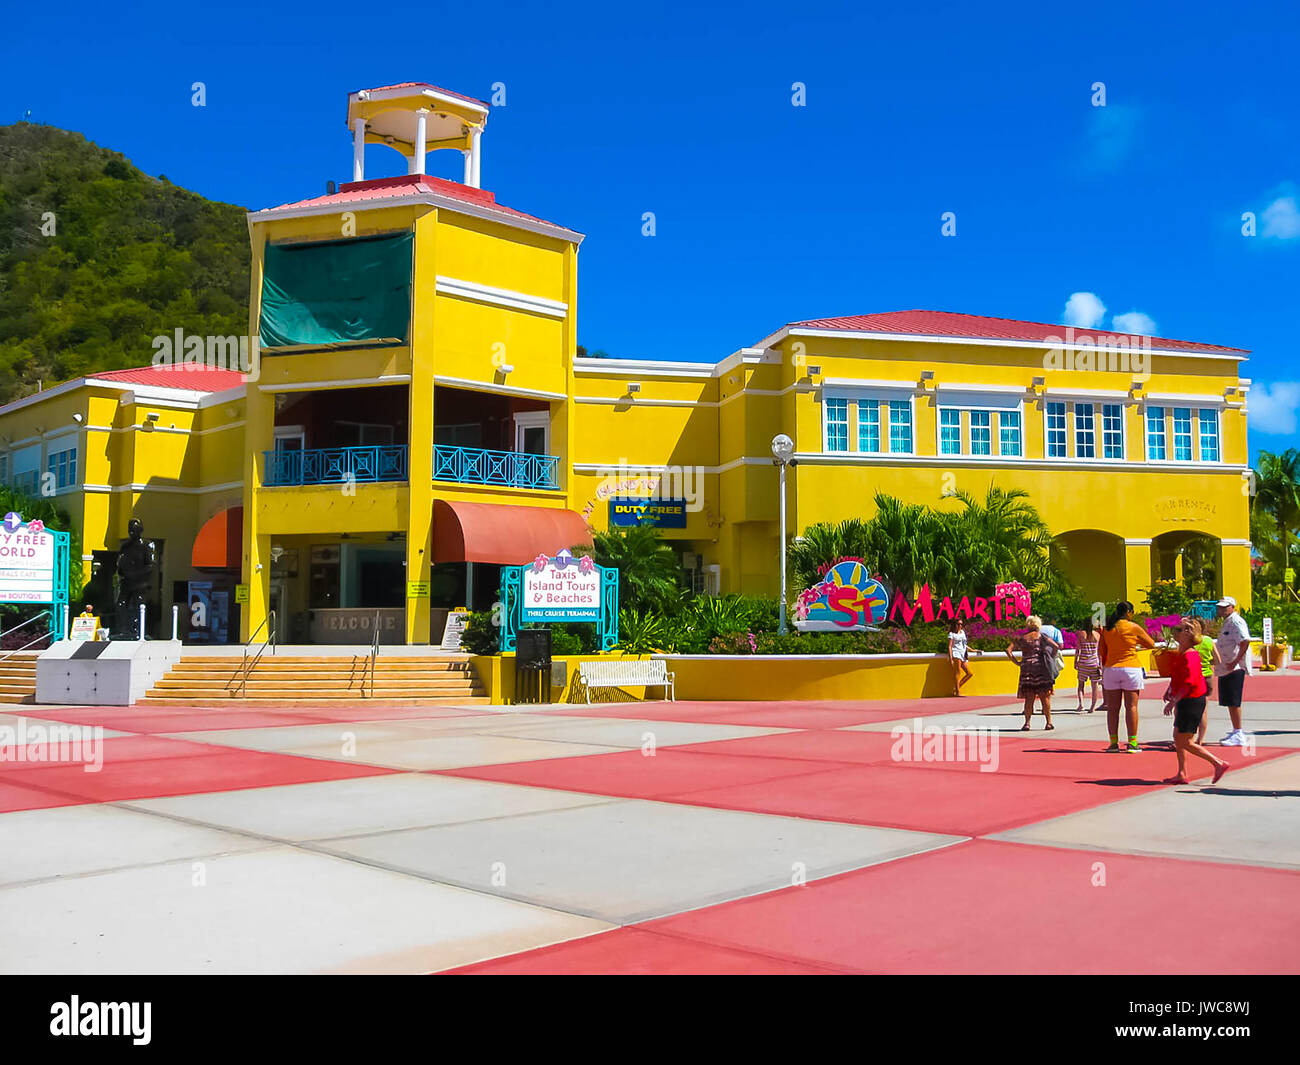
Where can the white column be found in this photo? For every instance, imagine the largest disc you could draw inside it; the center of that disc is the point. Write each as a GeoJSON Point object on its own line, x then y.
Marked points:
{"type": "Point", "coordinates": [469, 169]}
{"type": "Point", "coordinates": [417, 159]}
{"type": "Point", "coordinates": [359, 150]}
{"type": "Point", "coordinates": [475, 179]}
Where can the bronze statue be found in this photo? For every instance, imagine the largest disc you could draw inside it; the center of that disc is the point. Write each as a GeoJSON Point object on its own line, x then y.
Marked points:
{"type": "Point", "coordinates": [137, 559]}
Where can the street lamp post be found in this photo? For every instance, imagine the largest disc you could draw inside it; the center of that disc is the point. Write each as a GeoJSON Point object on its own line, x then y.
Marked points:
{"type": "Point", "coordinates": [782, 456]}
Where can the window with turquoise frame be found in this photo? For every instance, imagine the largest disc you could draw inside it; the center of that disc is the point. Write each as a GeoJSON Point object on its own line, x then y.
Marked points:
{"type": "Point", "coordinates": [869, 425]}
{"type": "Point", "coordinates": [1112, 431]}
{"type": "Point", "coordinates": [1156, 434]}
{"type": "Point", "coordinates": [62, 465]}
{"type": "Point", "coordinates": [837, 425]}
{"type": "Point", "coordinates": [1085, 431]}
{"type": "Point", "coordinates": [981, 433]}
{"type": "Point", "coordinates": [1209, 422]}
{"type": "Point", "coordinates": [1182, 434]}
{"type": "Point", "coordinates": [1056, 437]}
{"type": "Point", "coordinates": [900, 426]}
{"type": "Point", "coordinates": [1009, 432]}
{"type": "Point", "coordinates": [949, 432]}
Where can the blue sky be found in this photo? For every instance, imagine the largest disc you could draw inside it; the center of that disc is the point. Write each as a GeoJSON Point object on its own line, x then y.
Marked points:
{"type": "Point", "coordinates": [766, 212]}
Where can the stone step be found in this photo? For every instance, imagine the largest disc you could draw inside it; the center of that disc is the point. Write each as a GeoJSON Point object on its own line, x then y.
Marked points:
{"type": "Point", "coordinates": [153, 699]}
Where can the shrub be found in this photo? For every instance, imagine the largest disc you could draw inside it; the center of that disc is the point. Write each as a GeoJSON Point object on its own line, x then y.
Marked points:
{"type": "Point", "coordinates": [735, 643]}
{"type": "Point", "coordinates": [481, 637]}
{"type": "Point", "coordinates": [1168, 597]}
{"type": "Point", "coordinates": [641, 633]}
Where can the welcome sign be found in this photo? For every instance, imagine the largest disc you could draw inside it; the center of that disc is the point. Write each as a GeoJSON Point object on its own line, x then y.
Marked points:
{"type": "Point", "coordinates": [846, 599]}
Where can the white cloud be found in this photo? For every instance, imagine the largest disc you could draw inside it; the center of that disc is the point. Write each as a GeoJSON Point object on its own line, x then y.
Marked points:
{"type": "Point", "coordinates": [1134, 322]}
{"type": "Point", "coordinates": [1273, 407]}
{"type": "Point", "coordinates": [1282, 219]}
{"type": "Point", "coordinates": [1084, 310]}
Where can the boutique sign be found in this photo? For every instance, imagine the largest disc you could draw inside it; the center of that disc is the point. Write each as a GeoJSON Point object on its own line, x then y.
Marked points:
{"type": "Point", "coordinates": [34, 566]}
{"type": "Point", "coordinates": [849, 599]}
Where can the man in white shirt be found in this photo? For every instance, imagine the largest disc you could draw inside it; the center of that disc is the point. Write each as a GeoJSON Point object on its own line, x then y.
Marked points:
{"type": "Point", "coordinates": [1234, 664]}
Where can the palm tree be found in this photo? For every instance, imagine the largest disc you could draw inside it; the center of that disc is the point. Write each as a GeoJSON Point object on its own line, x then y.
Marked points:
{"type": "Point", "coordinates": [1013, 540]}
{"type": "Point", "coordinates": [647, 567]}
{"type": "Point", "coordinates": [901, 542]}
{"type": "Point", "coordinates": [1277, 493]}
{"type": "Point", "coordinates": [824, 544]}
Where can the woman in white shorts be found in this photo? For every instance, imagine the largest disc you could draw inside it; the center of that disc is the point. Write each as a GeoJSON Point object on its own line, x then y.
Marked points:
{"type": "Point", "coordinates": [1122, 675]}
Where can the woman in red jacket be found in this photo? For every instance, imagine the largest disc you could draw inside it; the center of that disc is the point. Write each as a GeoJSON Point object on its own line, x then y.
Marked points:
{"type": "Point", "coordinates": [1185, 699]}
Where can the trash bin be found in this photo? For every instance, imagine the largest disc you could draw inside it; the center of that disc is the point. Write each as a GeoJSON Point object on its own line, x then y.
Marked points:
{"type": "Point", "coordinates": [533, 666]}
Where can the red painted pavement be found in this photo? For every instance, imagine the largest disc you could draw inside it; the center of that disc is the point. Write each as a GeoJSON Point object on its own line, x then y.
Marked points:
{"type": "Point", "coordinates": [633, 951]}
{"type": "Point", "coordinates": [979, 907]}
{"type": "Point", "coordinates": [216, 769]}
{"type": "Point", "coordinates": [1017, 753]}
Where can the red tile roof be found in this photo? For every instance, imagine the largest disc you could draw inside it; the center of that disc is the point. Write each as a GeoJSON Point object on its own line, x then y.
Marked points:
{"type": "Point", "coordinates": [410, 185]}
{"type": "Point", "coordinates": [952, 324]}
{"type": "Point", "coordinates": [191, 378]}
{"type": "Point", "coordinates": [426, 85]}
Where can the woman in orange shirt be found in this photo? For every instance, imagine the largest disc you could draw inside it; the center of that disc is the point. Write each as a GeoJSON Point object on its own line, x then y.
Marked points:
{"type": "Point", "coordinates": [1122, 675]}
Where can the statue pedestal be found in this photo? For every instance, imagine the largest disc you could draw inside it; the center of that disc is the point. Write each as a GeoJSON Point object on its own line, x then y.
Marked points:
{"type": "Point", "coordinates": [109, 673]}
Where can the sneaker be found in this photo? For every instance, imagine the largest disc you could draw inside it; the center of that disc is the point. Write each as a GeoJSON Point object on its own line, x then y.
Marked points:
{"type": "Point", "coordinates": [1112, 749]}
{"type": "Point", "coordinates": [1133, 748]}
{"type": "Point", "coordinates": [1232, 739]}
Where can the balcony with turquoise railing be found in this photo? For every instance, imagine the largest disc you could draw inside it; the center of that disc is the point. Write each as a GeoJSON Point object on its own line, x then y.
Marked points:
{"type": "Point", "coordinates": [335, 465]}
{"type": "Point", "coordinates": [510, 469]}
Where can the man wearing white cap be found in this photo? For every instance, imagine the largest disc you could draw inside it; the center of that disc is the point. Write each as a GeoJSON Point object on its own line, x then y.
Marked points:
{"type": "Point", "coordinates": [1234, 663]}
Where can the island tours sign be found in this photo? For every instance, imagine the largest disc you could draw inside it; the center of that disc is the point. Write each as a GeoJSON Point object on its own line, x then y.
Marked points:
{"type": "Point", "coordinates": [848, 598]}
{"type": "Point", "coordinates": [34, 567]}
{"type": "Point", "coordinates": [559, 589]}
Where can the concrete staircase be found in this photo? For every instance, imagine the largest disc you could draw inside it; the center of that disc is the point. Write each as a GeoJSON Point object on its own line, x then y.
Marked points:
{"type": "Point", "coordinates": [298, 680]}
{"type": "Point", "coordinates": [18, 677]}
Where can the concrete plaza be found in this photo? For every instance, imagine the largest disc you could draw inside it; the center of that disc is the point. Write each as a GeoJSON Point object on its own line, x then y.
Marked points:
{"type": "Point", "coordinates": [774, 837]}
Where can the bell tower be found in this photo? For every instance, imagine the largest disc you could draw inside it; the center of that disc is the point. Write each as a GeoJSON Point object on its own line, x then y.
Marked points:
{"type": "Point", "coordinates": [415, 118]}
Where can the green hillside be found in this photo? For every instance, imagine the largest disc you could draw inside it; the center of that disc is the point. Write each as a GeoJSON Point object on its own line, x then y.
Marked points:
{"type": "Point", "coordinates": [132, 257]}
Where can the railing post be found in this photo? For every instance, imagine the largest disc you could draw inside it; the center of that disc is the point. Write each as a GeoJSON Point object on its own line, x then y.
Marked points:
{"type": "Point", "coordinates": [176, 621]}
{"type": "Point", "coordinates": [140, 634]}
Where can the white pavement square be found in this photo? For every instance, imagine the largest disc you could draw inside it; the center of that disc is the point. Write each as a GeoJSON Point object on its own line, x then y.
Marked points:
{"type": "Point", "coordinates": [632, 860]}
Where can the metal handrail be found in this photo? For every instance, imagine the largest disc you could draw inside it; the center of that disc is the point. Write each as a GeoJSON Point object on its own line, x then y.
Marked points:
{"type": "Point", "coordinates": [374, 653]}
{"type": "Point", "coordinates": [35, 639]}
{"type": "Point", "coordinates": [247, 664]}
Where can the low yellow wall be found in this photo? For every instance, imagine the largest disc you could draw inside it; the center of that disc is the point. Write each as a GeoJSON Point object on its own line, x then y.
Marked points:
{"type": "Point", "coordinates": [810, 677]}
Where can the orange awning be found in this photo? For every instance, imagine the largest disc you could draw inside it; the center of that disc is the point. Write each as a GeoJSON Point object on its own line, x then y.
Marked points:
{"type": "Point", "coordinates": [220, 543]}
{"type": "Point", "coordinates": [510, 536]}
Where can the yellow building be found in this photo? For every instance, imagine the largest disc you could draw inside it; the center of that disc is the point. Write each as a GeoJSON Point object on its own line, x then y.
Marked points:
{"type": "Point", "coordinates": [416, 415]}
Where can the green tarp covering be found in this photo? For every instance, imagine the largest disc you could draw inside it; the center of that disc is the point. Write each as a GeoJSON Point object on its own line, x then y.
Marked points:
{"type": "Point", "coordinates": [337, 292]}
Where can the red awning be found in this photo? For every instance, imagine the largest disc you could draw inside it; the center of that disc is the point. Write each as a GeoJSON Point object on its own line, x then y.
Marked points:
{"type": "Point", "coordinates": [510, 536]}
{"type": "Point", "coordinates": [220, 543]}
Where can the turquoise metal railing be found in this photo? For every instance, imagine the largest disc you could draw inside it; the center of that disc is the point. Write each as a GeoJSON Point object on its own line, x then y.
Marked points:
{"type": "Point", "coordinates": [476, 465]}
{"type": "Point", "coordinates": [333, 465]}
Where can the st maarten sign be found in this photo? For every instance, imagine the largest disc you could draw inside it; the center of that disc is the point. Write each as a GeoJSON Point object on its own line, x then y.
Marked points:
{"type": "Point", "coordinates": [849, 599]}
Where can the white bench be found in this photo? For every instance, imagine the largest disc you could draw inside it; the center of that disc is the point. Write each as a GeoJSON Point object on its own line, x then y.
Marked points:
{"type": "Point", "coordinates": [627, 673]}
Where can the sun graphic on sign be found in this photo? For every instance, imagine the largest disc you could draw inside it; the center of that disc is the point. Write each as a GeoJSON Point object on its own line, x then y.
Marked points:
{"type": "Point", "coordinates": [846, 595]}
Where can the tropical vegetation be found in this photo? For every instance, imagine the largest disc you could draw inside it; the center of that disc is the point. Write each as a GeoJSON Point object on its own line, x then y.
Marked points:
{"type": "Point", "coordinates": [97, 258]}
{"type": "Point", "coordinates": [1275, 522]}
